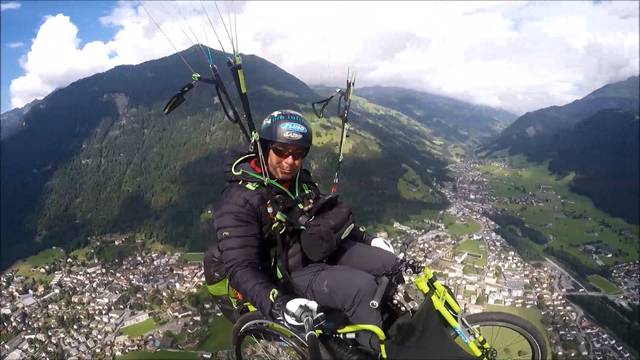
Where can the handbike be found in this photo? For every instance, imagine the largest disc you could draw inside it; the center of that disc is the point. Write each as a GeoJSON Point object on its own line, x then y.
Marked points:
{"type": "Point", "coordinates": [488, 335]}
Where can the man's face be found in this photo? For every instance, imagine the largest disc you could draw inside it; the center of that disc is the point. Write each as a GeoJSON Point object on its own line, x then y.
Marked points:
{"type": "Point", "coordinates": [284, 161]}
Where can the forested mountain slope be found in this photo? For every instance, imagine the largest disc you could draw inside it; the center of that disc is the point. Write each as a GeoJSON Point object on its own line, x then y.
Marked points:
{"type": "Point", "coordinates": [99, 157]}
{"type": "Point", "coordinates": [596, 137]}
{"type": "Point", "coordinates": [451, 119]}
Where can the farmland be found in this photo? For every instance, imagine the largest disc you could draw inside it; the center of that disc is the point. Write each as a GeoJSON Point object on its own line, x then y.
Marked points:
{"type": "Point", "coordinates": [570, 221]}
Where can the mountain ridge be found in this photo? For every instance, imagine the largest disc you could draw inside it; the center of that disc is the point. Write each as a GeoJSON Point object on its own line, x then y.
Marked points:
{"type": "Point", "coordinates": [451, 119]}
{"type": "Point", "coordinates": [532, 133]}
{"type": "Point", "coordinates": [595, 136]}
{"type": "Point", "coordinates": [107, 160]}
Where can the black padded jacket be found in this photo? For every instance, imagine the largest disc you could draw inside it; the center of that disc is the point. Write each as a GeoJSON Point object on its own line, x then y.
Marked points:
{"type": "Point", "coordinates": [245, 239]}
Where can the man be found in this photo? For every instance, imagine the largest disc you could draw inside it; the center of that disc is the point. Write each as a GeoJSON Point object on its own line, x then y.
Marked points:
{"type": "Point", "coordinates": [324, 257]}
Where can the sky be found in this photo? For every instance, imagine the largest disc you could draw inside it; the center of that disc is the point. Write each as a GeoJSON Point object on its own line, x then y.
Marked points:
{"type": "Point", "coordinates": [519, 56]}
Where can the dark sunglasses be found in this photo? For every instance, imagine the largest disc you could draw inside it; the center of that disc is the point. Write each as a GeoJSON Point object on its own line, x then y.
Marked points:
{"type": "Point", "coordinates": [284, 153]}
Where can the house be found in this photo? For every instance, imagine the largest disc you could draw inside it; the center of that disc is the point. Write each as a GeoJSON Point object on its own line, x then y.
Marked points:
{"type": "Point", "coordinates": [178, 311]}
{"type": "Point", "coordinates": [13, 343]}
{"type": "Point", "coordinates": [15, 355]}
{"type": "Point", "coordinates": [27, 300]}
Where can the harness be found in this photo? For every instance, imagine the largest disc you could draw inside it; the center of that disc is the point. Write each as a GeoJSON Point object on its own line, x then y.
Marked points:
{"type": "Point", "coordinates": [286, 212]}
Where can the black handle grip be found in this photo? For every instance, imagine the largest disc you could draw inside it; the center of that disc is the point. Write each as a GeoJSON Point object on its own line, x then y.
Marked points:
{"type": "Point", "coordinates": [311, 338]}
{"type": "Point", "coordinates": [383, 282]}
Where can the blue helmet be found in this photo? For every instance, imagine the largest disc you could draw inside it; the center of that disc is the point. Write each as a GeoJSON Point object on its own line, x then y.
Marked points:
{"type": "Point", "coordinates": [286, 127]}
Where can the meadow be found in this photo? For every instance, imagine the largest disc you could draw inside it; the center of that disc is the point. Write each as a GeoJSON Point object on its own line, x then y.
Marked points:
{"type": "Point", "coordinates": [140, 328]}
{"type": "Point", "coordinates": [219, 335]}
{"type": "Point", "coordinates": [459, 227]}
{"type": "Point", "coordinates": [30, 267]}
{"type": "Point", "coordinates": [603, 284]}
{"type": "Point", "coordinates": [567, 219]}
{"type": "Point", "coordinates": [192, 257]}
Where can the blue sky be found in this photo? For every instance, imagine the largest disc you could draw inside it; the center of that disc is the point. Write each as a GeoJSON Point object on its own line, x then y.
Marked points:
{"type": "Point", "coordinates": [20, 25]}
{"type": "Point", "coordinates": [519, 56]}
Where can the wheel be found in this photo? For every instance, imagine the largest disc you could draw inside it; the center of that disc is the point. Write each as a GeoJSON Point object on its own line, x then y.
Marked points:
{"type": "Point", "coordinates": [256, 338]}
{"type": "Point", "coordinates": [510, 337]}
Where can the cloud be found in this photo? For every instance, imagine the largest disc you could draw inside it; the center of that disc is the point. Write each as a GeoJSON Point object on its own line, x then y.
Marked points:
{"type": "Point", "coordinates": [58, 35]}
{"type": "Point", "coordinates": [12, 5]}
{"type": "Point", "coordinates": [14, 45]}
{"type": "Point", "coordinates": [520, 56]}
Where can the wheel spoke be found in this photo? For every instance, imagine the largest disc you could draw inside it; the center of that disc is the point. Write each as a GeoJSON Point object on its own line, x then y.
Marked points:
{"type": "Point", "coordinates": [269, 346]}
{"type": "Point", "coordinates": [499, 328]}
{"type": "Point", "coordinates": [519, 340]}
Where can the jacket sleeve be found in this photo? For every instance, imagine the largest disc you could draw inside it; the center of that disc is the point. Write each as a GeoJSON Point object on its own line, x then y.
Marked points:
{"type": "Point", "coordinates": [241, 242]}
{"type": "Point", "coordinates": [360, 234]}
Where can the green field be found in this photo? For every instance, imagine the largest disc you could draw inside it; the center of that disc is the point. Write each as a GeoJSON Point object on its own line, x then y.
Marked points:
{"type": "Point", "coordinates": [219, 336]}
{"type": "Point", "coordinates": [411, 187]}
{"type": "Point", "coordinates": [154, 245]}
{"type": "Point", "coordinates": [532, 315]}
{"type": "Point", "coordinates": [456, 227]}
{"type": "Point", "coordinates": [45, 257]}
{"type": "Point", "coordinates": [192, 257]}
{"type": "Point", "coordinates": [603, 284]}
{"type": "Point", "coordinates": [160, 355]}
{"type": "Point", "coordinates": [81, 254]}
{"type": "Point", "coordinates": [472, 247]}
{"type": "Point", "coordinates": [566, 218]}
{"type": "Point", "coordinates": [140, 328]}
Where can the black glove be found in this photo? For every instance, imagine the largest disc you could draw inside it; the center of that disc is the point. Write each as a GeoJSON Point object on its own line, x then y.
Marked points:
{"type": "Point", "coordinates": [278, 307]}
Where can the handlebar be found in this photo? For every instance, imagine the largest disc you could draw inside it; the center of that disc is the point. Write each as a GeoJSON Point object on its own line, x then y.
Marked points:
{"type": "Point", "coordinates": [311, 337]}
{"type": "Point", "coordinates": [383, 282]}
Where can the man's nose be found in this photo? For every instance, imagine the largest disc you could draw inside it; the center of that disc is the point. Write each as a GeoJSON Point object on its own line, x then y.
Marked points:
{"type": "Point", "coordinates": [289, 159]}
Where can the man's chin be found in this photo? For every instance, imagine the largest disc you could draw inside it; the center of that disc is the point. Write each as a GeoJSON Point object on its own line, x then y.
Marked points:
{"type": "Point", "coordinates": [286, 176]}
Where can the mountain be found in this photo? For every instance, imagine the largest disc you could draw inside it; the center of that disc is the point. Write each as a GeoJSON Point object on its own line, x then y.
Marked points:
{"type": "Point", "coordinates": [533, 133]}
{"type": "Point", "coordinates": [596, 137]}
{"type": "Point", "coordinates": [603, 151]}
{"type": "Point", "coordinates": [11, 121]}
{"type": "Point", "coordinates": [453, 120]}
{"type": "Point", "coordinates": [99, 157]}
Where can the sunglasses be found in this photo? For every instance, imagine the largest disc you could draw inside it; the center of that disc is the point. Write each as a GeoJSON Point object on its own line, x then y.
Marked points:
{"type": "Point", "coordinates": [284, 153]}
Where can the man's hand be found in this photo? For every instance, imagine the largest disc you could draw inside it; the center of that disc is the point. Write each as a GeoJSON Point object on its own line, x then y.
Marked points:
{"type": "Point", "coordinates": [279, 304]}
{"type": "Point", "coordinates": [383, 244]}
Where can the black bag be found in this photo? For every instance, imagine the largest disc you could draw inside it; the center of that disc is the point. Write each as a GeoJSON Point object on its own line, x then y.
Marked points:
{"type": "Point", "coordinates": [423, 335]}
{"type": "Point", "coordinates": [328, 222]}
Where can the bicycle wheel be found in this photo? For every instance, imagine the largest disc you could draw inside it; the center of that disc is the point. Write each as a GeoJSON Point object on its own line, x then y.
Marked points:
{"type": "Point", "coordinates": [254, 337]}
{"type": "Point", "coordinates": [510, 337]}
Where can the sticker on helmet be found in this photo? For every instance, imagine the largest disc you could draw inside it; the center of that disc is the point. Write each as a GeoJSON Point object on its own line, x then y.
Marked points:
{"type": "Point", "coordinates": [294, 127]}
{"type": "Point", "coordinates": [292, 135]}
{"type": "Point", "coordinates": [266, 122]}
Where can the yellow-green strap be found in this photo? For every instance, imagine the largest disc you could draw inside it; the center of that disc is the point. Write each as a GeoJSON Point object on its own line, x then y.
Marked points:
{"type": "Point", "coordinates": [367, 327]}
{"type": "Point", "coordinates": [273, 295]}
{"type": "Point", "coordinates": [220, 288]}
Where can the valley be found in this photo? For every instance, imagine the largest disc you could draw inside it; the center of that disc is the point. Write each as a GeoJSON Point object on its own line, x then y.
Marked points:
{"type": "Point", "coordinates": [141, 314]}
{"type": "Point", "coordinates": [103, 223]}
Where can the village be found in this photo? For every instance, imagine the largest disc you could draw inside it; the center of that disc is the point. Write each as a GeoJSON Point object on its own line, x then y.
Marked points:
{"type": "Point", "coordinates": [491, 274]}
{"type": "Point", "coordinates": [88, 308]}
{"type": "Point", "coordinates": [85, 311]}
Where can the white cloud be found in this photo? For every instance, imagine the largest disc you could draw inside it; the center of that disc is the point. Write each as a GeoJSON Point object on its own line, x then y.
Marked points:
{"type": "Point", "coordinates": [12, 5]}
{"type": "Point", "coordinates": [519, 56]}
{"type": "Point", "coordinates": [14, 45]}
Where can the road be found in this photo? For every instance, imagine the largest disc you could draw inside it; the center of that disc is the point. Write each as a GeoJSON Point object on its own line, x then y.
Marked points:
{"type": "Point", "coordinates": [565, 272]}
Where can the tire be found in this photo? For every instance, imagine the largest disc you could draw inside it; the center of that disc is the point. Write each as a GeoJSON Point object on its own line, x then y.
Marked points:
{"type": "Point", "coordinates": [510, 336]}
{"type": "Point", "coordinates": [257, 338]}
